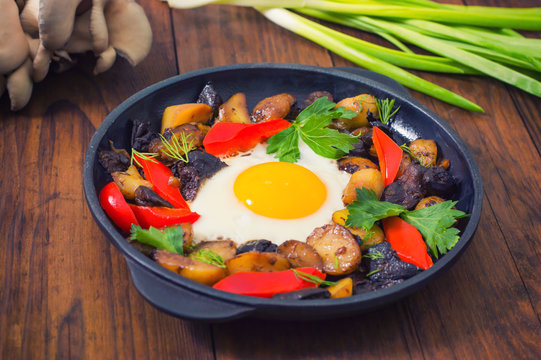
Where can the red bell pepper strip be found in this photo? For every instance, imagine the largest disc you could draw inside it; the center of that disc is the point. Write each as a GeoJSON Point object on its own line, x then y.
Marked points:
{"type": "Point", "coordinates": [160, 217]}
{"type": "Point", "coordinates": [407, 241]}
{"type": "Point", "coordinates": [226, 139]}
{"type": "Point", "coordinates": [159, 175]}
{"type": "Point", "coordinates": [114, 204]}
{"type": "Point", "coordinates": [266, 284]}
{"type": "Point", "coordinates": [389, 155]}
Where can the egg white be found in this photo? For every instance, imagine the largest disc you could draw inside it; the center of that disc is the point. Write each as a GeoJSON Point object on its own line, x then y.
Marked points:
{"type": "Point", "coordinates": [223, 216]}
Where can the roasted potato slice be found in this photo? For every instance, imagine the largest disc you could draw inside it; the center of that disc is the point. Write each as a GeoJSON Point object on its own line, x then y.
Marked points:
{"type": "Point", "coordinates": [367, 178]}
{"type": "Point", "coordinates": [274, 107]}
{"type": "Point", "coordinates": [227, 249]}
{"type": "Point", "coordinates": [340, 252]}
{"type": "Point", "coordinates": [300, 254]}
{"type": "Point", "coordinates": [428, 201]}
{"type": "Point", "coordinates": [366, 238]}
{"type": "Point", "coordinates": [128, 181]}
{"type": "Point", "coordinates": [343, 288]}
{"type": "Point", "coordinates": [176, 115]}
{"type": "Point", "coordinates": [257, 262]}
{"type": "Point", "coordinates": [192, 269]}
{"type": "Point", "coordinates": [354, 164]}
{"type": "Point", "coordinates": [425, 150]}
{"type": "Point", "coordinates": [234, 110]}
{"type": "Point", "coordinates": [361, 104]}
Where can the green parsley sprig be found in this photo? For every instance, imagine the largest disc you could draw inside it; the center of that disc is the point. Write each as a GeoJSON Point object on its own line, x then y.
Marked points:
{"type": "Point", "coordinates": [209, 257]}
{"type": "Point", "coordinates": [312, 278]}
{"type": "Point", "coordinates": [170, 238]}
{"type": "Point", "coordinates": [433, 222]}
{"type": "Point", "coordinates": [176, 149]}
{"type": "Point", "coordinates": [385, 109]}
{"type": "Point", "coordinates": [311, 126]}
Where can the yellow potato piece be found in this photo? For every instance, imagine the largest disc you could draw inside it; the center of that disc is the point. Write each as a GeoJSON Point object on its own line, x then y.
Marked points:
{"type": "Point", "coordinates": [343, 288]}
{"type": "Point", "coordinates": [176, 115]}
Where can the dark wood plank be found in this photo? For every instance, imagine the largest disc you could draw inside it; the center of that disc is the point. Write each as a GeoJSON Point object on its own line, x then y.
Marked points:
{"type": "Point", "coordinates": [66, 292]}
{"type": "Point", "coordinates": [226, 35]}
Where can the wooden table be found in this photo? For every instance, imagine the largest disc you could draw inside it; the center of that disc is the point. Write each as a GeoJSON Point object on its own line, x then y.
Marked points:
{"type": "Point", "coordinates": [66, 293]}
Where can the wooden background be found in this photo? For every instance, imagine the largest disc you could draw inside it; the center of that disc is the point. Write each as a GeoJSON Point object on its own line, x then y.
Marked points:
{"type": "Point", "coordinates": [66, 293]}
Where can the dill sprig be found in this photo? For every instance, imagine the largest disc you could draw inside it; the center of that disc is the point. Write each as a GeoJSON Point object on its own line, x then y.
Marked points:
{"type": "Point", "coordinates": [176, 149]}
{"type": "Point", "coordinates": [412, 154]}
{"type": "Point", "coordinates": [145, 156]}
{"type": "Point", "coordinates": [385, 109]}
{"type": "Point", "coordinates": [373, 272]}
{"type": "Point", "coordinates": [312, 278]}
{"type": "Point", "coordinates": [209, 257]}
{"type": "Point", "coordinates": [373, 255]}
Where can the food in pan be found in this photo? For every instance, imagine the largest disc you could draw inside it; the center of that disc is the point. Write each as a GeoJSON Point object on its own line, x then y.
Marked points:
{"type": "Point", "coordinates": [298, 200]}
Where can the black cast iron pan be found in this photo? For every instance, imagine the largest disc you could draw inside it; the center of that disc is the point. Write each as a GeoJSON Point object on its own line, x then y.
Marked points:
{"type": "Point", "coordinates": [184, 298]}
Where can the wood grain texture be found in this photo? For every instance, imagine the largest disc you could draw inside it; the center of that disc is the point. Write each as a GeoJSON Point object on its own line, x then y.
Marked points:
{"type": "Point", "coordinates": [66, 293]}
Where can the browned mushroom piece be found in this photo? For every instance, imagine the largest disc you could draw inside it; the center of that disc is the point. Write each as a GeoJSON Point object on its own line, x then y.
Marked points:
{"type": "Point", "coordinates": [354, 164]}
{"type": "Point", "coordinates": [300, 254]}
{"type": "Point", "coordinates": [340, 252]}
{"type": "Point", "coordinates": [274, 107]}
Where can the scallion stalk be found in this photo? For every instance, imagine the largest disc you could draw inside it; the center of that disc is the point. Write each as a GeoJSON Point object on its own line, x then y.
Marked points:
{"type": "Point", "coordinates": [306, 28]}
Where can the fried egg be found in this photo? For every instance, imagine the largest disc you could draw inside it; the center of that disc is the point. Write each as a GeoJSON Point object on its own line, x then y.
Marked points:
{"type": "Point", "coordinates": [258, 197]}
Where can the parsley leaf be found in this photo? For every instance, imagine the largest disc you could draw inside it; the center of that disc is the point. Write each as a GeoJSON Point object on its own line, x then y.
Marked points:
{"type": "Point", "coordinates": [434, 223]}
{"type": "Point", "coordinates": [311, 126]}
{"type": "Point", "coordinates": [169, 238]}
{"type": "Point", "coordinates": [367, 209]}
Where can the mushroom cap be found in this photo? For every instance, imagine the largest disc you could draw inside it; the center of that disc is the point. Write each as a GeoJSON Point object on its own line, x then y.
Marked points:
{"type": "Point", "coordinates": [55, 19]}
{"type": "Point", "coordinates": [13, 44]}
{"type": "Point", "coordinates": [129, 30]}
{"type": "Point", "coordinates": [29, 17]}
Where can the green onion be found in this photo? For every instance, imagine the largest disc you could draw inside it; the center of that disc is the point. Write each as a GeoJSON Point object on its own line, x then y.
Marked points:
{"type": "Point", "coordinates": [468, 40]}
{"type": "Point", "coordinates": [305, 28]}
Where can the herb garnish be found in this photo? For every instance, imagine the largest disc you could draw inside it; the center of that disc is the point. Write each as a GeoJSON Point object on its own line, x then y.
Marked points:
{"type": "Point", "coordinates": [209, 257]}
{"type": "Point", "coordinates": [312, 278]}
{"type": "Point", "coordinates": [373, 272]}
{"type": "Point", "coordinates": [385, 109]}
{"type": "Point", "coordinates": [433, 222]}
{"type": "Point", "coordinates": [145, 156]}
{"type": "Point", "coordinates": [335, 264]}
{"type": "Point", "coordinates": [311, 126]}
{"type": "Point", "coordinates": [420, 159]}
{"type": "Point", "coordinates": [176, 149]}
{"type": "Point", "coordinates": [170, 238]}
{"type": "Point", "coordinates": [374, 254]}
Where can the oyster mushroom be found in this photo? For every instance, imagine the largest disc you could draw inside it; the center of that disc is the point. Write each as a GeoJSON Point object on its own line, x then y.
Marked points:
{"type": "Point", "coordinates": [13, 44]}
{"type": "Point", "coordinates": [19, 85]}
{"type": "Point", "coordinates": [129, 30]}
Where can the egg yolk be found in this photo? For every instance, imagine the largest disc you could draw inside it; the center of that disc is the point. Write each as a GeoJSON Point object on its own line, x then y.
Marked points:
{"type": "Point", "coordinates": [280, 190]}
